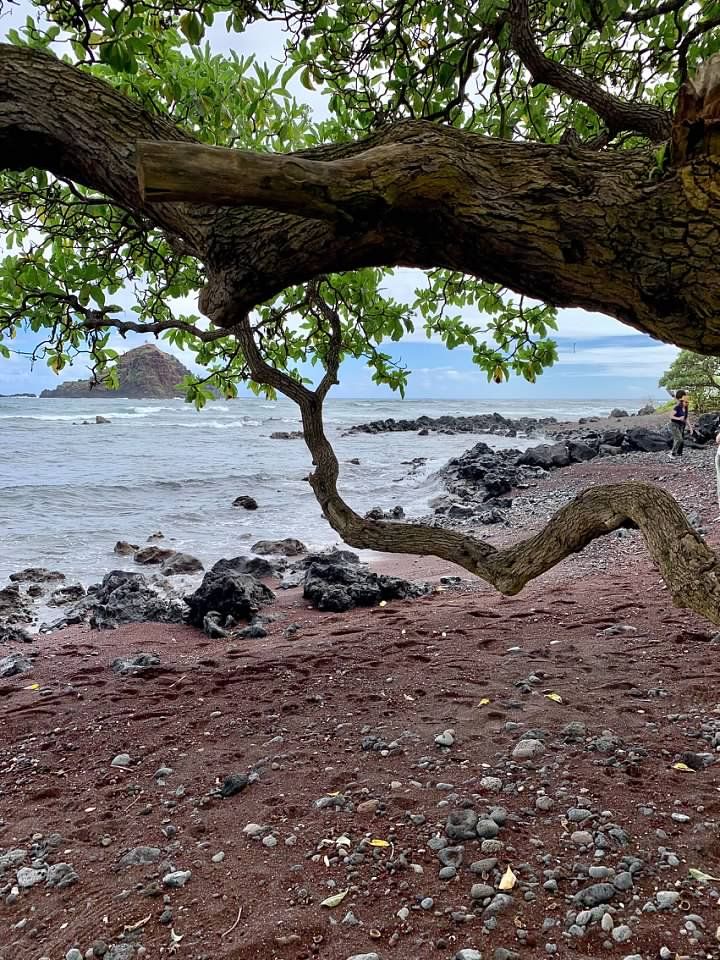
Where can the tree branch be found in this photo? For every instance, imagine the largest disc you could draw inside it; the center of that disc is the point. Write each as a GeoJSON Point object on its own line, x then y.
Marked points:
{"type": "Point", "coordinates": [646, 119]}
{"type": "Point", "coordinates": [89, 139]}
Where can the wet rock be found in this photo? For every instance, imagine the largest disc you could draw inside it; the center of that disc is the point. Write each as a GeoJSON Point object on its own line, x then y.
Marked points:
{"type": "Point", "coordinates": [229, 594]}
{"type": "Point", "coordinates": [258, 567]}
{"type": "Point", "coordinates": [336, 585]}
{"type": "Point", "coordinates": [616, 412]}
{"type": "Point", "coordinates": [647, 441]}
{"type": "Point", "coordinates": [289, 547]}
{"type": "Point", "coordinates": [124, 549]}
{"type": "Point", "coordinates": [14, 665]}
{"type": "Point", "coordinates": [181, 563]}
{"type": "Point", "coordinates": [69, 594]}
{"type": "Point", "coordinates": [134, 663]}
{"type": "Point", "coordinates": [36, 575]}
{"type": "Point", "coordinates": [646, 410]}
{"type": "Point", "coordinates": [287, 435]}
{"type": "Point", "coordinates": [123, 597]}
{"type": "Point", "coordinates": [152, 555]}
{"type": "Point", "coordinates": [14, 607]}
{"type": "Point", "coordinates": [247, 503]}
{"type": "Point", "coordinates": [547, 456]}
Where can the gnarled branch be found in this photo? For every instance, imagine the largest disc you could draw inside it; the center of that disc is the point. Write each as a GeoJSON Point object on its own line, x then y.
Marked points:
{"type": "Point", "coordinates": [618, 114]}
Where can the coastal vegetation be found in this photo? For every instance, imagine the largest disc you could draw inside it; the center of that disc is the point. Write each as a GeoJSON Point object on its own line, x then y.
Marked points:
{"type": "Point", "coordinates": [524, 156]}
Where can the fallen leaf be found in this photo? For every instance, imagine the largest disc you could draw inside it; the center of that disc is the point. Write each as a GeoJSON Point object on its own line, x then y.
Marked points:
{"type": "Point", "coordinates": [33, 686]}
{"type": "Point", "coordinates": [484, 702]}
{"type": "Point", "coordinates": [508, 880]}
{"type": "Point", "coordinates": [555, 697]}
{"type": "Point", "coordinates": [335, 900]}
{"type": "Point", "coordinates": [682, 766]}
{"type": "Point", "coordinates": [379, 843]}
{"type": "Point", "coordinates": [129, 927]}
{"type": "Point", "coordinates": [702, 876]}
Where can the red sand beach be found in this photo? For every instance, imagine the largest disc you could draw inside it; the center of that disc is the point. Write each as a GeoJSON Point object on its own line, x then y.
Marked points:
{"type": "Point", "coordinates": [561, 716]}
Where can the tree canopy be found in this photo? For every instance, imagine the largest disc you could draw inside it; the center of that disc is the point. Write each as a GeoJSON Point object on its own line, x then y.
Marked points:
{"type": "Point", "coordinates": [699, 375]}
{"type": "Point", "coordinates": [524, 155]}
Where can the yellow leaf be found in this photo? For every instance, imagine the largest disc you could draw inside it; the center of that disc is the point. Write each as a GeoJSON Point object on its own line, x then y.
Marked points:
{"type": "Point", "coordinates": [702, 876]}
{"type": "Point", "coordinates": [555, 697]}
{"type": "Point", "coordinates": [33, 686]}
{"type": "Point", "coordinates": [484, 702]}
{"type": "Point", "coordinates": [508, 880]}
{"type": "Point", "coordinates": [336, 794]}
{"type": "Point", "coordinates": [379, 843]}
{"type": "Point", "coordinates": [335, 900]}
{"type": "Point", "coordinates": [682, 766]}
{"type": "Point", "coordinates": [383, 603]}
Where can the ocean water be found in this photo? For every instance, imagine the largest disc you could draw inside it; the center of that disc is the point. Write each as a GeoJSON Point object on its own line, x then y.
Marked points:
{"type": "Point", "coordinates": [69, 491]}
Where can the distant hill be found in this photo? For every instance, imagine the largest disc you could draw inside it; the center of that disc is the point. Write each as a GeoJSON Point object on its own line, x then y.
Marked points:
{"type": "Point", "coordinates": [144, 373]}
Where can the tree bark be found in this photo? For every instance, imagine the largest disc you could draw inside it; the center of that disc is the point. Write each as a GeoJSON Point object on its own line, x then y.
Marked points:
{"type": "Point", "coordinates": [572, 227]}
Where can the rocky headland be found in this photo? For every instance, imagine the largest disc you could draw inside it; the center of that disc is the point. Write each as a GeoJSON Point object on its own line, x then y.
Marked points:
{"type": "Point", "coordinates": [145, 373]}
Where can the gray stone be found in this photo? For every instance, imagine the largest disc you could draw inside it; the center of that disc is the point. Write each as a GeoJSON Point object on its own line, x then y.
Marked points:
{"type": "Point", "coordinates": [74, 954]}
{"type": "Point", "coordinates": [451, 856]}
{"type": "Point", "coordinates": [499, 903]}
{"type": "Point", "coordinates": [595, 894]}
{"type": "Point", "coordinates": [527, 749]}
{"type": "Point", "coordinates": [544, 803]}
{"type": "Point", "coordinates": [364, 956]}
{"type": "Point", "coordinates": [177, 878]}
{"type": "Point", "coordinates": [447, 873]}
{"type": "Point", "coordinates": [582, 838]}
{"type": "Point", "coordinates": [427, 903]}
{"type": "Point", "coordinates": [578, 815]}
{"type": "Point", "coordinates": [27, 877]}
{"type": "Point", "coordinates": [481, 891]}
{"type": "Point", "coordinates": [61, 875]}
{"type": "Point", "coordinates": [445, 739]}
{"type": "Point", "coordinates": [468, 953]}
{"type": "Point", "coordinates": [121, 760]}
{"type": "Point", "coordinates": [140, 856]}
{"type": "Point", "coordinates": [491, 783]}
{"type": "Point", "coordinates": [13, 665]}
{"type": "Point", "coordinates": [134, 663]}
{"type": "Point", "coordinates": [666, 899]}
{"type": "Point", "coordinates": [622, 933]}
{"type": "Point", "coordinates": [487, 829]}
{"type": "Point", "coordinates": [607, 922]}
{"type": "Point", "coordinates": [623, 881]}
{"type": "Point", "coordinates": [461, 825]}
{"type": "Point", "coordinates": [502, 953]}
{"type": "Point", "coordinates": [483, 866]}
{"type": "Point", "coordinates": [575, 730]}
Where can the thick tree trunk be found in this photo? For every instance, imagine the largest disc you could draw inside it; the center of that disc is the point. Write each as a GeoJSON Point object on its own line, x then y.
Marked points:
{"type": "Point", "coordinates": [573, 227]}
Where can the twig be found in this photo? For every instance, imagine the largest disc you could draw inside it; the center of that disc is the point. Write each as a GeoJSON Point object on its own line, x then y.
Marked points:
{"type": "Point", "coordinates": [141, 794]}
{"type": "Point", "coordinates": [237, 921]}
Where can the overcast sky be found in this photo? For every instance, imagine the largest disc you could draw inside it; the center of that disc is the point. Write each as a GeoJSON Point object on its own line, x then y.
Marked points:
{"type": "Point", "coordinates": [599, 357]}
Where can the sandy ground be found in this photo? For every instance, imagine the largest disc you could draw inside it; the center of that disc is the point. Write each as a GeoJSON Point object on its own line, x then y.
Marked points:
{"type": "Point", "coordinates": [561, 716]}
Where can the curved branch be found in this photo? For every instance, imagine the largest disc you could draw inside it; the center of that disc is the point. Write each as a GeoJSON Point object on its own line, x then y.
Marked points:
{"type": "Point", "coordinates": [690, 569]}
{"type": "Point", "coordinates": [85, 131]}
{"type": "Point", "coordinates": [619, 115]}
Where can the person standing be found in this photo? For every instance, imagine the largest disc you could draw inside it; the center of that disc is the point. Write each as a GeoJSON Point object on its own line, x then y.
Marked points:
{"type": "Point", "coordinates": [678, 422]}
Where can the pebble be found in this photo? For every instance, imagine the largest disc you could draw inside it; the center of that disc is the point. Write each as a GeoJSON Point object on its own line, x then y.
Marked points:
{"type": "Point", "coordinates": [483, 866]}
{"type": "Point", "coordinates": [623, 881]}
{"type": "Point", "coordinates": [73, 954]}
{"type": "Point", "coordinates": [447, 873]}
{"type": "Point", "coordinates": [491, 783]}
{"type": "Point", "coordinates": [487, 829]}
{"type": "Point", "coordinates": [461, 825]}
{"type": "Point", "coordinates": [480, 891]}
{"type": "Point", "coordinates": [427, 903]}
{"type": "Point", "coordinates": [527, 749]}
{"type": "Point", "coordinates": [177, 878]}
{"type": "Point", "coordinates": [622, 933]}
{"type": "Point", "coordinates": [446, 738]}
{"type": "Point", "coordinates": [582, 838]}
{"type": "Point", "coordinates": [139, 856]}
{"type": "Point", "coordinates": [468, 953]}
{"type": "Point", "coordinates": [666, 899]}
{"type": "Point", "coordinates": [218, 857]}
{"type": "Point", "coordinates": [120, 760]}
{"type": "Point", "coordinates": [680, 817]}
{"type": "Point", "coordinates": [269, 841]}
{"type": "Point", "coordinates": [578, 815]}
{"type": "Point", "coordinates": [544, 803]}
{"type": "Point", "coordinates": [499, 903]}
{"type": "Point", "coordinates": [27, 877]}
{"type": "Point", "coordinates": [364, 956]}
{"type": "Point", "coordinates": [368, 806]}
